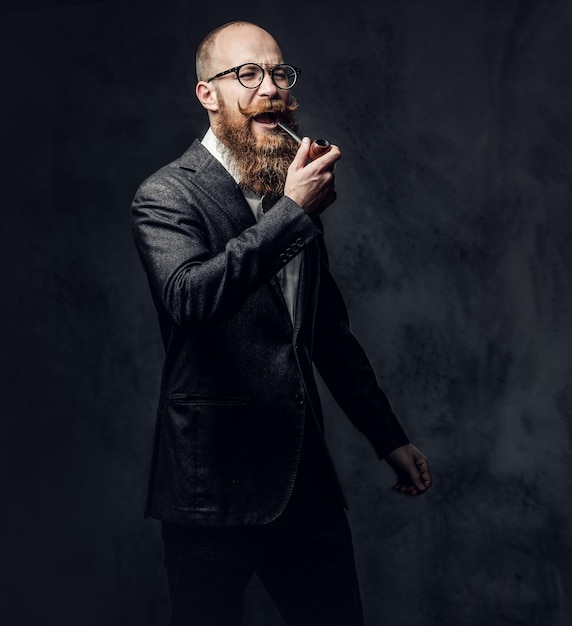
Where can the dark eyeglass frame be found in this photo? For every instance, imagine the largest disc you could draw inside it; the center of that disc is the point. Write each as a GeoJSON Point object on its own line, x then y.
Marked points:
{"type": "Point", "coordinates": [236, 70]}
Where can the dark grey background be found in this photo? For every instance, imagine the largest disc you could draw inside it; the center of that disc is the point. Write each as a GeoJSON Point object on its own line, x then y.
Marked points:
{"type": "Point", "coordinates": [451, 240]}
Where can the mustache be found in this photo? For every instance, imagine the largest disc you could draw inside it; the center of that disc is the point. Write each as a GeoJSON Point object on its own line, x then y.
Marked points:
{"type": "Point", "coordinates": [274, 105]}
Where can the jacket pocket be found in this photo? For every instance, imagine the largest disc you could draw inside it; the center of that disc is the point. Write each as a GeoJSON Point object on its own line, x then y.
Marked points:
{"type": "Point", "coordinates": [202, 442]}
{"type": "Point", "coordinates": [199, 398]}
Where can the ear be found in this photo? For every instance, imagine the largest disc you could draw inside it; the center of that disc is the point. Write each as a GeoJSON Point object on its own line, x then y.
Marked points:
{"type": "Point", "coordinates": [207, 95]}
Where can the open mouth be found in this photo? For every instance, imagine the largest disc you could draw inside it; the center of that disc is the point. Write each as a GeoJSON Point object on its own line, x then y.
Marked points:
{"type": "Point", "coordinates": [267, 119]}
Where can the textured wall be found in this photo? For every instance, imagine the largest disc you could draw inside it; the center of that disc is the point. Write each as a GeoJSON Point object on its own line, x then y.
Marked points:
{"type": "Point", "coordinates": [451, 239]}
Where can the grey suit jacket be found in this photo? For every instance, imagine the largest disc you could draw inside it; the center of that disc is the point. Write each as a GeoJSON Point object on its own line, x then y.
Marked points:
{"type": "Point", "coordinates": [238, 384]}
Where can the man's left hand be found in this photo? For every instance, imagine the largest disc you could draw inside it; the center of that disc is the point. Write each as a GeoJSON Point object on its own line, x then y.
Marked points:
{"type": "Point", "coordinates": [411, 468]}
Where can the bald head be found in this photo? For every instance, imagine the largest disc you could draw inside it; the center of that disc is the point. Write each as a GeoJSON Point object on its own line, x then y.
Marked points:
{"type": "Point", "coordinates": [232, 44]}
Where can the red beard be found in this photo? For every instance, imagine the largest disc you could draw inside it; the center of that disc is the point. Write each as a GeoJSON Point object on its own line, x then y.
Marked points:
{"type": "Point", "coordinates": [261, 164]}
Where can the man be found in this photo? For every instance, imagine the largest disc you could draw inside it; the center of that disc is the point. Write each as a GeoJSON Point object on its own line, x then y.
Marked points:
{"type": "Point", "coordinates": [232, 244]}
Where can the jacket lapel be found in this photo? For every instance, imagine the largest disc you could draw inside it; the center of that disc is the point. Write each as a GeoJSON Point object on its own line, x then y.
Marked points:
{"type": "Point", "coordinates": [211, 177]}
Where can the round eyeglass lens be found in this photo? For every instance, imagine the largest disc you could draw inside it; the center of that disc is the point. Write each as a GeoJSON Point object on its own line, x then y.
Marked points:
{"type": "Point", "coordinates": [250, 75]}
{"type": "Point", "coordinates": [284, 76]}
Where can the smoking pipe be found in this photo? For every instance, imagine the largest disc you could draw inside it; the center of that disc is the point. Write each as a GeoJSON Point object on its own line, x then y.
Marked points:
{"type": "Point", "coordinates": [317, 148]}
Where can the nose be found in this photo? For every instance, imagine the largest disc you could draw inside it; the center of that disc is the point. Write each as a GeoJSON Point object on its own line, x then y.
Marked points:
{"type": "Point", "coordinates": [267, 86]}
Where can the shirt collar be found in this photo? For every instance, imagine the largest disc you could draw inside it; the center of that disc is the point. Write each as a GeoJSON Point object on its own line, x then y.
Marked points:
{"type": "Point", "coordinates": [217, 149]}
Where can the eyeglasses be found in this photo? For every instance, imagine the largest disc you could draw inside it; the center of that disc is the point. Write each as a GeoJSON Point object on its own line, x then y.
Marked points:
{"type": "Point", "coordinates": [250, 75]}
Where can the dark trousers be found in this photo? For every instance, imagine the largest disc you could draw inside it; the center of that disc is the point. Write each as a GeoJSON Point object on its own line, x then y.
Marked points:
{"type": "Point", "coordinates": [306, 564]}
{"type": "Point", "coordinates": [304, 559]}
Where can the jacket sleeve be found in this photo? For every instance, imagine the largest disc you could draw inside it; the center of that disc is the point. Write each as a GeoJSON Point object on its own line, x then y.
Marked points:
{"type": "Point", "coordinates": [348, 373]}
{"type": "Point", "coordinates": [192, 281]}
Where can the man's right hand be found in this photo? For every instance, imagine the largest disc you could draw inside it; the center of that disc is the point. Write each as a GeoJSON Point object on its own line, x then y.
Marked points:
{"type": "Point", "coordinates": [312, 185]}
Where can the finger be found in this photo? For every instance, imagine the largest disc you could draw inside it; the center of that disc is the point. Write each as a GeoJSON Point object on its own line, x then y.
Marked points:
{"type": "Point", "coordinates": [406, 489]}
{"type": "Point", "coordinates": [424, 473]}
{"type": "Point", "coordinates": [426, 480]}
{"type": "Point", "coordinates": [420, 483]}
{"type": "Point", "coordinates": [412, 477]}
{"type": "Point", "coordinates": [327, 160]}
{"type": "Point", "coordinates": [302, 155]}
{"type": "Point", "coordinates": [411, 483]}
{"type": "Point", "coordinates": [334, 153]}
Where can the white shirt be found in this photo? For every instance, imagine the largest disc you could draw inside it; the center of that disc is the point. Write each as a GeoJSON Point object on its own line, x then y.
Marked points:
{"type": "Point", "coordinates": [289, 275]}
